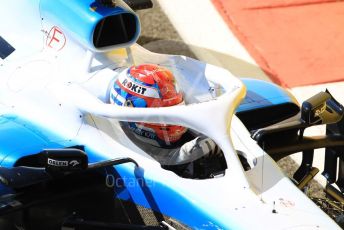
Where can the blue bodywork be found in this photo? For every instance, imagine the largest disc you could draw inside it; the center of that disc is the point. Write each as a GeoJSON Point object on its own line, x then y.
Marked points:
{"type": "Point", "coordinates": [262, 94]}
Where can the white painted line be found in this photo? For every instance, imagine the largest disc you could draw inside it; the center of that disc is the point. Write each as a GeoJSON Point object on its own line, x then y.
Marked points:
{"type": "Point", "coordinates": [208, 36]}
{"type": "Point", "coordinates": [199, 23]}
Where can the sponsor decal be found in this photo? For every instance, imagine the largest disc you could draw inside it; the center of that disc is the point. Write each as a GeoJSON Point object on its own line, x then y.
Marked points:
{"type": "Point", "coordinates": [134, 87]}
{"type": "Point", "coordinates": [139, 89]}
{"type": "Point", "coordinates": [286, 203]}
{"type": "Point", "coordinates": [56, 39]}
{"type": "Point", "coordinates": [320, 110]}
{"type": "Point", "coordinates": [142, 131]}
{"type": "Point", "coordinates": [74, 163]}
{"type": "Point", "coordinates": [57, 163]}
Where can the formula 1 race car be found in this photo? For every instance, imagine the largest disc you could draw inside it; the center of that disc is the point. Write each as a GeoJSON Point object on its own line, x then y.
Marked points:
{"type": "Point", "coordinates": [81, 145]}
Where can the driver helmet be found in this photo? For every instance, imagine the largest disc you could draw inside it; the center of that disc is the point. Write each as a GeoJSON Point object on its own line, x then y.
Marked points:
{"type": "Point", "coordinates": [149, 85]}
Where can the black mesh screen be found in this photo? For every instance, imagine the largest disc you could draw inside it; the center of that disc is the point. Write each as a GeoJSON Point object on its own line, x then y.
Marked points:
{"type": "Point", "coordinates": [115, 30]}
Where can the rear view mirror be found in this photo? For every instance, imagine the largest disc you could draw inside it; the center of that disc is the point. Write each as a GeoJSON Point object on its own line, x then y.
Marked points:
{"type": "Point", "coordinates": [322, 108]}
{"type": "Point", "coordinates": [64, 161]}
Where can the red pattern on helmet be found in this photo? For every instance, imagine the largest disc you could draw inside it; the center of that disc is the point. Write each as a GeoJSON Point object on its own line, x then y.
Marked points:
{"type": "Point", "coordinates": [169, 96]}
{"type": "Point", "coordinates": [151, 74]}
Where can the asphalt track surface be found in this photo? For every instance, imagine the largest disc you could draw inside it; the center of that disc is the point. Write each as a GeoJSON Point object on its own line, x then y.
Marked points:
{"type": "Point", "coordinates": [159, 35]}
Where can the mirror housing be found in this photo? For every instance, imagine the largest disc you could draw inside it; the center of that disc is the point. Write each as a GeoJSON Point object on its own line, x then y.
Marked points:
{"type": "Point", "coordinates": [322, 108]}
{"type": "Point", "coordinates": [65, 161]}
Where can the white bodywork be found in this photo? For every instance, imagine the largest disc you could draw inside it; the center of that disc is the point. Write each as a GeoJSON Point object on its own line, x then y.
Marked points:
{"type": "Point", "coordinates": [67, 91]}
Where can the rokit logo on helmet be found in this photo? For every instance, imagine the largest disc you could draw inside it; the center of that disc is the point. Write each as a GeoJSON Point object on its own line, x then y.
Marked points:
{"type": "Point", "coordinates": [140, 89]}
{"type": "Point", "coordinates": [134, 87]}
